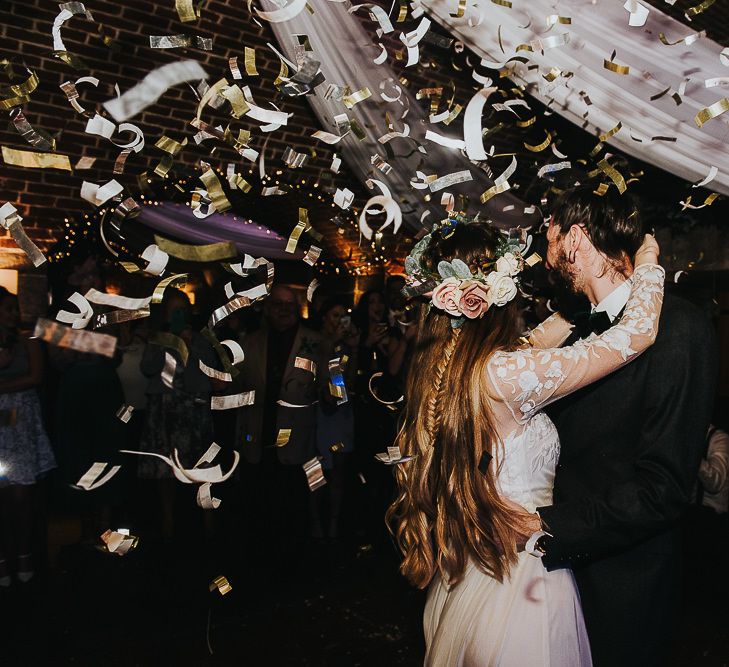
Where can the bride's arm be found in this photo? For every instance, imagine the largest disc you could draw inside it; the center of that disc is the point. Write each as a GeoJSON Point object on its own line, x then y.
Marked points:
{"type": "Point", "coordinates": [529, 379]}
{"type": "Point", "coordinates": [551, 333]}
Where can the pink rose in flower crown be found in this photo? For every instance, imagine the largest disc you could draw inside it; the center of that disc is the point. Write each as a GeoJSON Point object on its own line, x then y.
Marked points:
{"type": "Point", "coordinates": [447, 296]}
{"type": "Point", "coordinates": [474, 300]}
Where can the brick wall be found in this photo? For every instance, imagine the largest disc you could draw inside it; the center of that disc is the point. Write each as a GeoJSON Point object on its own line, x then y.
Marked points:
{"type": "Point", "coordinates": [45, 197]}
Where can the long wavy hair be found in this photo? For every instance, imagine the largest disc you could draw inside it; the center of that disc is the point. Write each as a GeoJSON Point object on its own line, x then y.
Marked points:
{"type": "Point", "coordinates": [447, 510]}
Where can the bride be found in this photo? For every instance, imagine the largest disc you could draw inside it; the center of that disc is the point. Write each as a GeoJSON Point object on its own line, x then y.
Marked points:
{"type": "Point", "coordinates": [482, 448]}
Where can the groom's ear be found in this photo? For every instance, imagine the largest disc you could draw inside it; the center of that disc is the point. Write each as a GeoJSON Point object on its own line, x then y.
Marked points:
{"type": "Point", "coordinates": [575, 240]}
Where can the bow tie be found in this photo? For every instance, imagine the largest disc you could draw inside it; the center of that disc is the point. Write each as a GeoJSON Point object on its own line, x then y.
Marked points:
{"type": "Point", "coordinates": [587, 322]}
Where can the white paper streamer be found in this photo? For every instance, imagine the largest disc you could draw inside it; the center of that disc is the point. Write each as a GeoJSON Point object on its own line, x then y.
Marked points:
{"type": "Point", "coordinates": [472, 133]}
{"type": "Point", "coordinates": [152, 87]}
{"type": "Point", "coordinates": [77, 320]}
{"type": "Point", "coordinates": [444, 141]}
{"type": "Point", "coordinates": [92, 478]}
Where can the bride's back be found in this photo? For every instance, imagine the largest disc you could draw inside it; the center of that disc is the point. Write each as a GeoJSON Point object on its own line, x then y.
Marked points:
{"type": "Point", "coordinates": [449, 508]}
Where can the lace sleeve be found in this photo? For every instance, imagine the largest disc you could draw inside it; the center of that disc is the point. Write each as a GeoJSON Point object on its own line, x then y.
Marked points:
{"type": "Point", "coordinates": [529, 379]}
{"type": "Point", "coordinates": [550, 333]}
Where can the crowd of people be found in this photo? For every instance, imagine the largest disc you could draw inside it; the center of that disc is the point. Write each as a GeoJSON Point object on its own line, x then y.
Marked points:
{"type": "Point", "coordinates": [327, 387]}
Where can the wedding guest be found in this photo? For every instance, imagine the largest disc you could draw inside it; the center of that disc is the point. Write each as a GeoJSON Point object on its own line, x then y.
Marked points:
{"type": "Point", "coordinates": [395, 300]}
{"type": "Point", "coordinates": [285, 365]}
{"type": "Point", "coordinates": [179, 416]}
{"type": "Point", "coordinates": [375, 430]}
{"type": "Point", "coordinates": [714, 471]}
{"type": "Point", "coordinates": [130, 348]}
{"type": "Point", "coordinates": [87, 394]}
{"type": "Point", "coordinates": [335, 422]}
{"type": "Point", "coordinates": [25, 452]}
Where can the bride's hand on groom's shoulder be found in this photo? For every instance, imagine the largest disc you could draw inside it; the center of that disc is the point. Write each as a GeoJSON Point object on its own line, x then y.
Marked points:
{"type": "Point", "coordinates": [648, 252]}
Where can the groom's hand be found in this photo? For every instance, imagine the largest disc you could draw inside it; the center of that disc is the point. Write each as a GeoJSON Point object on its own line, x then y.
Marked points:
{"type": "Point", "coordinates": [526, 523]}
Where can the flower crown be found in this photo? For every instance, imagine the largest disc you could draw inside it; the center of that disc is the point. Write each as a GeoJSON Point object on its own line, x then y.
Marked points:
{"type": "Point", "coordinates": [467, 292]}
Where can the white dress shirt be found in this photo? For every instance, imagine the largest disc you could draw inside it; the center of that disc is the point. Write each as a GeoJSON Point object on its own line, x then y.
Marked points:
{"type": "Point", "coordinates": [614, 302]}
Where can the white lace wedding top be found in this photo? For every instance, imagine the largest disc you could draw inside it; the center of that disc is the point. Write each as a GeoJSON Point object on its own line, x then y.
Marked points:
{"type": "Point", "coordinates": [521, 383]}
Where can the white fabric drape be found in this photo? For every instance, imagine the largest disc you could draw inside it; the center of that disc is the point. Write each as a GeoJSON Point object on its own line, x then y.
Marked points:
{"type": "Point", "coordinates": [595, 31]}
{"type": "Point", "coordinates": [346, 52]}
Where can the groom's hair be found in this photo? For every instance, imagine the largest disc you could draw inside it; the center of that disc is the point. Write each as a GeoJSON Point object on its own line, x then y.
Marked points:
{"type": "Point", "coordinates": [612, 221]}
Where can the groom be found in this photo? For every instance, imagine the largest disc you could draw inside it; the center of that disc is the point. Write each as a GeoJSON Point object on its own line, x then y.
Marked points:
{"type": "Point", "coordinates": [631, 443]}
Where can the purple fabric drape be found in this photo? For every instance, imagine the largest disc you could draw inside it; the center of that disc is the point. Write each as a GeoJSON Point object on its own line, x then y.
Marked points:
{"type": "Point", "coordinates": [178, 222]}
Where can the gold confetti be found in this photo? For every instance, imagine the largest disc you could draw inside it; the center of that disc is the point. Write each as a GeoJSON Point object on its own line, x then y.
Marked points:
{"type": "Point", "coordinates": [553, 19]}
{"type": "Point", "coordinates": [172, 342]}
{"type": "Point", "coordinates": [610, 133]}
{"type": "Point", "coordinates": [613, 174]}
{"type": "Point", "coordinates": [618, 69]}
{"type": "Point", "coordinates": [221, 584]}
{"type": "Point", "coordinates": [211, 252]}
{"type": "Point", "coordinates": [697, 9]}
{"type": "Point", "coordinates": [706, 114]}
{"type": "Point", "coordinates": [688, 40]}
{"type": "Point", "coordinates": [164, 143]}
{"type": "Point", "coordinates": [601, 189]}
{"type": "Point", "coordinates": [215, 190]}
{"type": "Point", "coordinates": [33, 160]}
{"type": "Point", "coordinates": [250, 61]}
{"type": "Point", "coordinates": [539, 147]}
{"type": "Point", "coordinates": [658, 96]}
{"type": "Point", "coordinates": [234, 95]}
{"type": "Point", "coordinates": [296, 233]}
{"type": "Point", "coordinates": [707, 202]}
{"type": "Point", "coordinates": [501, 184]}
{"type": "Point", "coordinates": [283, 436]}
{"type": "Point", "coordinates": [453, 114]}
{"type": "Point", "coordinates": [503, 3]}
{"type": "Point", "coordinates": [186, 11]}
{"type": "Point", "coordinates": [19, 93]}
{"type": "Point", "coordinates": [356, 97]}
{"type": "Point", "coordinates": [461, 10]}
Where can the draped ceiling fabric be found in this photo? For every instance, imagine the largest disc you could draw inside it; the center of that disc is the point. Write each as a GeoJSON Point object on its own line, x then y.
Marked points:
{"type": "Point", "coordinates": [346, 54]}
{"type": "Point", "coordinates": [178, 222]}
{"type": "Point", "coordinates": [596, 30]}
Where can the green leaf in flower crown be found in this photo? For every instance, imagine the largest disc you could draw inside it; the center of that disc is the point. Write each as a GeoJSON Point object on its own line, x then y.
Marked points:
{"type": "Point", "coordinates": [412, 265]}
{"type": "Point", "coordinates": [446, 270]}
{"type": "Point", "coordinates": [461, 269]}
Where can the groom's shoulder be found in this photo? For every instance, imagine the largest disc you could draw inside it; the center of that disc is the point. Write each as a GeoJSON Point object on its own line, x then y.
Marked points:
{"type": "Point", "coordinates": [683, 321]}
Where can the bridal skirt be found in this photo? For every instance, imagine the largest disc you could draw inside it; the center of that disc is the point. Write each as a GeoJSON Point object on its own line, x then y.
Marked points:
{"type": "Point", "coordinates": [533, 619]}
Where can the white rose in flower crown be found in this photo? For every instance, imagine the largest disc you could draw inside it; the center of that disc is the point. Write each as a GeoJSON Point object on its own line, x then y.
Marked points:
{"type": "Point", "coordinates": [447, 295]}
{"type": "Point", "coordinates": [510, 264]}
{"type": "Point", "coordinates": [502, 288]}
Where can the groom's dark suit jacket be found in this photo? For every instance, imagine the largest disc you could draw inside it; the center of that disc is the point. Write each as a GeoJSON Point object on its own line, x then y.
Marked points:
{"type": "Point", "coordinates": [631, 447]}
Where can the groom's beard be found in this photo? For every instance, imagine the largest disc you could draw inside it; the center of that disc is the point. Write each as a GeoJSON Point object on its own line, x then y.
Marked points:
{"type": "Point", "coordinates": [568, 295]}
{"type": "Point", "coordinates": [563, 275]}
